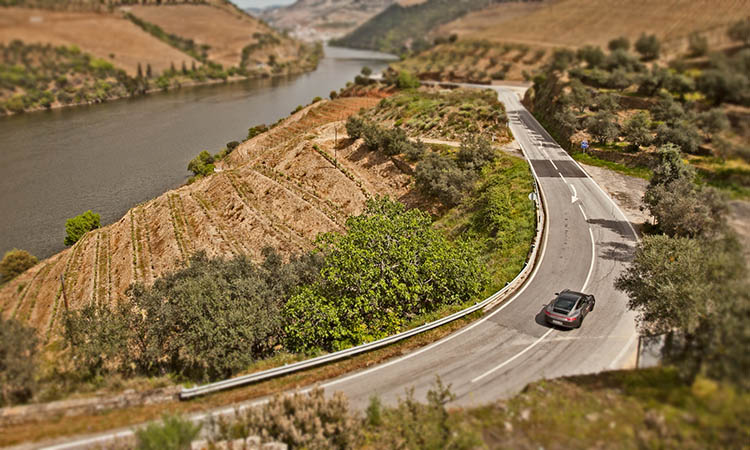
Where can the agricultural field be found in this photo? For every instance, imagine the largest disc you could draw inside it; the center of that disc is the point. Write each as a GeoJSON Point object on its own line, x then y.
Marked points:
{"type": "Point", "coordinates": [125, 46]}
{"type": "Point", "coordinates": [224, 32]}
{"type": "Point", "coordinates": [574, 23]}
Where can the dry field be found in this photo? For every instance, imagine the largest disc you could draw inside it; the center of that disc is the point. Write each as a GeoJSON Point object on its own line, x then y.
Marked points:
{"type": "Point", "coordinates": [104, 35]}
{"type": "Point", "coordinates": [227, 32]}
{"type": "Point", "coordinates": [281, 189]}
{"type": "Point", "coordinates": [578, 22]}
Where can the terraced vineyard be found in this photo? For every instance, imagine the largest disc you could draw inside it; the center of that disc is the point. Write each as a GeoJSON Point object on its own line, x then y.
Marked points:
{"type": "Point", "coordinates": [278, 189]}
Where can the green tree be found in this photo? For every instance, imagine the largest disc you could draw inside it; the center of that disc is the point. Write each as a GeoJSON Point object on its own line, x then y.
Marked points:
{"type": "Point", "coordinates": [620, 43]}
{"type": "Point", "coordinates": [680, 207]}
{"type": "Point", "coordinates": [366, 71]}
{"type": "Point", "coordinates": [79, 225]}
{"type": "Point", "coordinates": [648, 46]}
{"type": "Point", "coordinates": [389, 267]}
{"type": "Point", "coordinates": [693, 292]}
{"type": "Point", "coordinates": [439, 176]}
{"type": "Point", "coordinates": [637, 130]}
{"type": "Point", "coordinates": [561, 59]}
{"type": "Point", "coordinates": [580, 95]}
{"type": "Point", "coordinates": [593, 56]}
{"type": "Point", "coordinates": [740, 31]}
{"type": "Point", "coordinates": [603, 126]}
{"type": "Point", "coordinates": [18, 362]}
{"type": "Point", "coordinates": [202, 165]}
{"type": "Point", "coordinates": [682, 133]}
{"type": "Point", "coordinates": [15, 262]}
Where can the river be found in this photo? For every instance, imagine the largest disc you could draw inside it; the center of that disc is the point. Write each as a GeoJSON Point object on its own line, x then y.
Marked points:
{"type": "Point", "coordinates": [112, 156]}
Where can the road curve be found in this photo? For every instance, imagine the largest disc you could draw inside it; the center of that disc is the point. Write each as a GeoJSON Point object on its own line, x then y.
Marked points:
{"type": "Point", "coordinates": [587, 243]}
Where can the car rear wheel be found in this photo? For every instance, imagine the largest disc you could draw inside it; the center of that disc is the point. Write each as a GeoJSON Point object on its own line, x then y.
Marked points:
{"type": "Point", "coordinates": [580, 322]}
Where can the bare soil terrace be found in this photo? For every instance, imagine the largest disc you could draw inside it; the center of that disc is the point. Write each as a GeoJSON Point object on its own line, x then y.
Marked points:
{"type": "Point", "coordinates": [279, 189]}
{"type": "Point", "coordinates": [225, 31]}
{"type": "Point", "coordinates": [106, 36]}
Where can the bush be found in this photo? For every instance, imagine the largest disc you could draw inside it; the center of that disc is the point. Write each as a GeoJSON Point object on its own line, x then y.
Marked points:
{"type": "Point", "coordinates": [603, 126]}
{"type": "Point", "coordinates": [680, 207]}
{"type": "Point", "coordinates": [232, 145]}
{"type": "Point", "coordinates": [407, 80]}
{"type": "Point", "coordinates": [475, 152]}
{"type": "Point", "coordinates": [15, 262]}
{"type": "Point", "coordinates": [593, 56]}
{"type": "Point", "coordinates": [637, 130]}
{"type": "Point", "coordinates": [79, 225]}
{"type": "Point", "coordinates": [740, 31]}
{"type": "Point", "coordinates": [173, 433]}
{"type": "Point", "coordinates": [440, 177]}
{"type": "Point", "coordinates": [713, 121]}
{"type": "Point", "coordinates": [390, 267]}
{"type": "Point", "coordinates": [18, 362]}
{"type": "Point", "coordinates": [682, 133]}
{"type": "Point", "coordinates": [421, 426]}
{"type": "Point", "coordinates": [561, 59]}
{"type": "Point", "coordinates": [648, 46]}
{"type": "Point", "coordinates": [309, 421]}
{"type": "Point", "coordinates": [697, 44]}
{"type": "Point", "coordinates": [202, 330]}
{"type": "Point", "coordinates": [256, 130]}
{"type": "Point", "coordinates": [723, 85]}
{"type": "Point", "coordinates": [202, 165]}
{"type": "Point", "coordinates": [621, 43]}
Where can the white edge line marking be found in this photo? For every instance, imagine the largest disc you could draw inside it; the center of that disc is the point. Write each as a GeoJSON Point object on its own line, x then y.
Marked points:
{"type": "Point", "coordinates": [593, 260]}
{"type": "Point", "coordinates": [513, 358]}
{"type": "Point", "coordinates": [583, 212]}
{"type": "Point", "coordinates": [616, 363]}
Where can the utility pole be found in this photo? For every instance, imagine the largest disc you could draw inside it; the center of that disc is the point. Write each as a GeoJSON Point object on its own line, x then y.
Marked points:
{"type": "Point", "coordinates": [336, 144]}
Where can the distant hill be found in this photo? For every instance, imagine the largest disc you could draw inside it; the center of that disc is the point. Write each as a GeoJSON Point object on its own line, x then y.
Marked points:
{"type": "Point", "coordinates": [323, 19]}
{"type": "Point", "coordinates": [404, 25]}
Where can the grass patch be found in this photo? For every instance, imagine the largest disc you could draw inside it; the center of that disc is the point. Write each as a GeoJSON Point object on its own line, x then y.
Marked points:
{"type": "Point", "coordinates": [591, 160]}
{"type": "Point", "coordinates": [643, 409]}
{"type": "Point", "coordinates": [500, 217]}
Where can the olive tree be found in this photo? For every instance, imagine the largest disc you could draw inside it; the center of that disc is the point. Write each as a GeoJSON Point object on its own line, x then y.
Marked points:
{"type": "Point", "coordinates": [16, 262]}
{"type": "Point", "coordinates": [79, 225]}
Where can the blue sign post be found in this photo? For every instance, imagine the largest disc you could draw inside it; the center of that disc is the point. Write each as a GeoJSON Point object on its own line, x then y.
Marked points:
{"type": "Point", "coordinates": [584, 145]}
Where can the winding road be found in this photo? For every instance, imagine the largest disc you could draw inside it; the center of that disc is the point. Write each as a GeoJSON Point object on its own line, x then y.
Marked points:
{"type": "Point", "coordinates": [586, 244]}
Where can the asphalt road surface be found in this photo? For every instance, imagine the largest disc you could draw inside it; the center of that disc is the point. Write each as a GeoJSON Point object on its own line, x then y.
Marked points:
{"type": "Point", "coordinates": [588, 242]}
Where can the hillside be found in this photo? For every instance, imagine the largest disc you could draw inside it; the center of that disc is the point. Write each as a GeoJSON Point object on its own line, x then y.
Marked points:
{"type": "Point", "coordinates": [322, 20]}
{"type": "Point", "coordinates": [278, 190]}
{"type": "Point", "coordinates": [511, 40]}
{"type": "Point", "coordinates": [64, 53]}
{"type": "Point", "coordinates": [404, 26]}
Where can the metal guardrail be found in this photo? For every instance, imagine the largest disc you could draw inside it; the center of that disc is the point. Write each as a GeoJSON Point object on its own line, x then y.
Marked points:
{"type": "Point", "coordinates": [230, 383]}
{"type": "Point", "coordinates": [197, 391]}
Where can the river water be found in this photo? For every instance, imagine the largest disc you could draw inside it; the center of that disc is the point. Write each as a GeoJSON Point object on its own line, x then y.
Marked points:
{"type": "Point", "coordinates": [110, 157]}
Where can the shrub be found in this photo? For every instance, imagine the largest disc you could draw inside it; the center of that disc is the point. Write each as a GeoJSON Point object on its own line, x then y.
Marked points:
{"type": "Point", "coordinates": [713, 121]}
{"type": "Point", "coordinates": [440, 177]}
{"type": "Point", "coordinates": [232, 145]}
{"type": "Point", "coordinates": [740, 31]}
{"type": "Point", "coordinates": [593, 56]}
{"type": "Point", "coordinates": [79, 225]}
{"type": "Point", "coordinates": [603, 126]}
{"type": "Point", "coordinates": [682, 133]}
{"type": "Point", "coordinates": [201, 331]}
{"type": "Point", "coordinates": [621, 59]}
{"type": "Point", "coordinates": [475, 152]}
{"type": "Point", "coordinates": [723, 84]}
{"type": "Point", "coordinates": [697, 44]}
{"type": "Point", "coordinates": [15, 262]}
{"type": "Point", "coordinates": [256, 130]}
{"type": "Point", "coordinates": [407, 80]}
{"type": "Point", "coordinates": [648, 46]}
{"type": "Point", "coordinates": [389, 267]}
{"type": "Point", "coordinates": [18, 362]}
{"type": "Point", "coordinates": [679, 206]}
{"type": "Point", "coordinates": [309, 421]}
{"type": "Point", "coordinates": [421, 426]}
{"type": "Point", "coordinates": [173, 433]}
{"type": "Point", "coordinates": [667, 110]}
{"type": "Point", "coordinates": [202, 165]}
{"type": "Point", "coordinates": [561, 59]}
{"type": "Point", "coordinates": [366, 71]}
{"type": "Point", "coordinates": [621, 43]}
{"type": "Point", "coordinates": [637, 130]}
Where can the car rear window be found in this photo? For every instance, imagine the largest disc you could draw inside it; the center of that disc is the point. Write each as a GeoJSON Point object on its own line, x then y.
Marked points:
{"type": "Point", "coordinates": [566, 302]}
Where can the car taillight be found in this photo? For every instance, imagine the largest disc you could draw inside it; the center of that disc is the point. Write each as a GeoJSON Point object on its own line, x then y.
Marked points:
{"type": "Point", "coordinates": [570, 319]}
